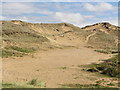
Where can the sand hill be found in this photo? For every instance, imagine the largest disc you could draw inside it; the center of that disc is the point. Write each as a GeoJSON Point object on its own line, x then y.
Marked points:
{"type": "Point", "coordinates": [31, 37]}
{"type": "Point", "coordinates": [54, 55]}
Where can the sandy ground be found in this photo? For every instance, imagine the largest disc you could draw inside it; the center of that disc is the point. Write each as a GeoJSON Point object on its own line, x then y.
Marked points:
{"type": "Point", "coordinates": [48, 66]}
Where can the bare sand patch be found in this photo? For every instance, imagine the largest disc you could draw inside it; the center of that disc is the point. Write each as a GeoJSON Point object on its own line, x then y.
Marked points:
{"type": "Point", "coordinates": [46, 66]}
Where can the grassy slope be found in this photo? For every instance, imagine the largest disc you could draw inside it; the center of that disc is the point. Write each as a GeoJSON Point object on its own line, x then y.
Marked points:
{"type": "Point", "coordinates": [105, 37]}
{"type": "Point", "coordinates": [20, 39]}
{"type": "Point", "coordinates": [102, 40]}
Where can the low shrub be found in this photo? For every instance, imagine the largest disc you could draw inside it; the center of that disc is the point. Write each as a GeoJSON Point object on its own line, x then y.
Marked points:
{"type": "Point", "coordinates": [108, 67]}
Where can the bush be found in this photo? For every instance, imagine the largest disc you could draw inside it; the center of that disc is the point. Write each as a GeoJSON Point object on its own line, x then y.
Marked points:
{"type": "Point", "coordinates": [108, 67]}
{"type": "Point", "coordinates": [94, 69]}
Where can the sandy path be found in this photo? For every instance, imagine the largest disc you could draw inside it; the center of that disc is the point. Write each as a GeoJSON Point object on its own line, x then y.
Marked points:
{"type": "Point", "coordinates": [47, 67]}
{"type": "Point", "coordinates": [88, 37]}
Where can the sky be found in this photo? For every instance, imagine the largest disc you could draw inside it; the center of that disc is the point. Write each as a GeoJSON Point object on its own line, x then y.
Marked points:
{"type": "Point", "coordinates": [77, 13]}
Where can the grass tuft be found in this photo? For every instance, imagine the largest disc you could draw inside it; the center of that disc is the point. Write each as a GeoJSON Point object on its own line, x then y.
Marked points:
{"type": "Point", "coordinates": [35, 82]}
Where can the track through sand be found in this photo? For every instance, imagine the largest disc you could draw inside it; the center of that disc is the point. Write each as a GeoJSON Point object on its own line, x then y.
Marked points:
{"type": "Point", "coordinates": [53, 67]}
{"type": "Point", "coordinates": [88, 37]}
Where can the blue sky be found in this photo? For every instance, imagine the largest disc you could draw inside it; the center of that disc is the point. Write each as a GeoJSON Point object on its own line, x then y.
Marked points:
{"type": "Point", "coordinates": [77, 13]}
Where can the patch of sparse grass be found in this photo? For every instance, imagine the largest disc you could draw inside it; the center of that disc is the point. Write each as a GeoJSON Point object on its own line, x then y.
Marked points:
{"type": "Point", "coordinates": [89, 46]}
{"type": "Point", "coordinates": [21, 33]}
{"type": "Point", "coordinates": [35, 82]}
{"type": "Point", "coordinates": [16, 51]}
{"type": "Point", "coordinates": [83, 86]}
{"type": "Point", "coordinates": [63, 67]}
{"type": "Point", "coordinates": [111, 84]}
{"type": "Point", "coordinates": [103, 51]}
{"type": "Point", "coordinates": [12, 85]}
{"type": "Point", "coordinates": [97, 84]}
{"type": "Point", "coordinates": [24, 50]}
{"type": "Point", "coordinates": [31, 84]}
{"type": "Point", "coordinates": [8, 53]}
{"type": "Point", "coordinates": [102, 40]}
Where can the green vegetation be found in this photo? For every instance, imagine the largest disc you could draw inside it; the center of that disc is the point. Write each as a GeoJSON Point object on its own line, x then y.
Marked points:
{"type": "Point", "coordinates": [83, 86]}
{"type": "Point", "coordinates": [109, 67]}
{"type": "Point", "coordinates": [21, 39]}
{"type": "Point", "coordinates": [104, 51]}
{"type": "Point", "coordinates": [7, 53]}
{"type": "Point", "coordinates": [16, 51]}
{"type": "Point", "coordinates": [31, 84]}
{"type": "Point", "coordinates": [111, 84]}
{"type": "Point", "coordinates": [35, 82]}
{"type": "Point", "coordinates": [19, 49]}
{"type": "Point", "coordinates": [97, 84]}
{"type": "Point", "coordinates": [107, 51]}
{"type": "Point", "coordinates": [12, 85]}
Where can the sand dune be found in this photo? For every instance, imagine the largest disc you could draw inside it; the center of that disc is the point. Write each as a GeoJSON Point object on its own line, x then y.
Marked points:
{"type": "Point", "coordinates": [47, 67]}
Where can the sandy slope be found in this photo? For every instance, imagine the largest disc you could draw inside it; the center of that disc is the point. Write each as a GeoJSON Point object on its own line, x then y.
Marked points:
{"type": "Point", "coordinates": [48, 66]}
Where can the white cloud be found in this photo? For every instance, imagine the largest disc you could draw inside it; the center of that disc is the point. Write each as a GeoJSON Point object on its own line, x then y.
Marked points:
{"type": "Point", "coordinates": [113, 21]}
{"type": "Point", "coordinates": [99, 7]}
{"type": "Point", "coordinates": [17, 8]}
{"type": "Point", "coordinates": [75, 18]}
{"type": "Point", "coordinates": [13, 11]}
{"type": "Point", "coordinates": [62, 17]}
{"type": "Point", "coordinates": [22, 19]}
{"type": "Point", "coordinates": [22, 8]}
